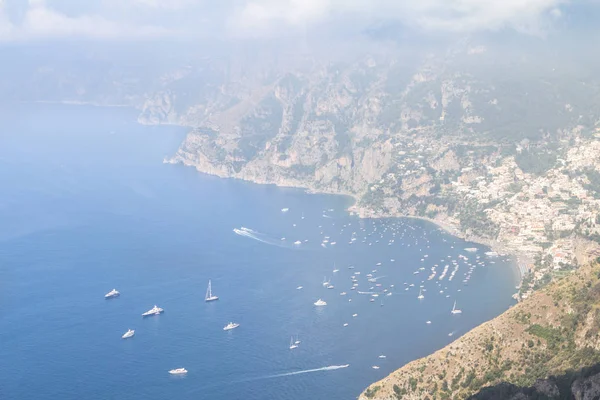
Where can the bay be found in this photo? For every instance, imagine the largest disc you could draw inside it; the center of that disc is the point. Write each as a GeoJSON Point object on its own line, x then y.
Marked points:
{"type": "Point", "coordinates": [86, 205]}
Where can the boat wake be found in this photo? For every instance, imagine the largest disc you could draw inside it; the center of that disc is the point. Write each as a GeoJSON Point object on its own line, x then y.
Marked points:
{"type": "Point", "coordinates": [261, 237]}
{"type": "Point", "coordinates": [305, 371]}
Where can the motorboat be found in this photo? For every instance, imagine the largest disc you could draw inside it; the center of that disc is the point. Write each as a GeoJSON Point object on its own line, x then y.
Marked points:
{"type": "Point", "coordinates": [230, 326]}
{"type": "Point", "coordinates": [178, 371]}
{"type": "Point", "coordinates": [111, 294]}
{"type": "Point", "coordinates": [153, 311]}
{"type": "Point", "coordinates": [128, 334]}
{"type": "Point", "coordinates": [320, 303]}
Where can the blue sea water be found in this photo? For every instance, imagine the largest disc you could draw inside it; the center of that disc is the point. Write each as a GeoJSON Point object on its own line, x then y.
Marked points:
{"type": "Point", "coordinates": [87, 205]}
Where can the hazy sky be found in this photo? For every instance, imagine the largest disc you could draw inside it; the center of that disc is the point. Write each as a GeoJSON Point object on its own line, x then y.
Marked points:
{"type": "Point", "coordinates": [23, 20]}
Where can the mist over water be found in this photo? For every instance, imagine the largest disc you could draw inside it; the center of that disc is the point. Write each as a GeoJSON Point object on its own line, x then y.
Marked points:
{"type": "Point", "coordinates": [87, 206]}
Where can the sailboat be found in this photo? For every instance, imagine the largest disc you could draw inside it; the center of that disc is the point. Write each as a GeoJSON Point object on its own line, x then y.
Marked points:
{"type": "Point", "coordinates": [335, 269]}
{"type": "Point", "coordinates": [420, 297]}
{"type": "Point", "coordinates": [293, 345]}
{"type": "Point", "coordinates": [209, 295]}
{"type": "Point", "coordinates": [455, 310]}
{"type": "Point", "coordinates": [297, 341]}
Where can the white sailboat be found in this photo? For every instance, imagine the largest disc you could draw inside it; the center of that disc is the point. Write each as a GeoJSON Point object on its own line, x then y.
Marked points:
{"type": "Point", "coordinates": [209, 295]}
{"type": "Point", "coordinates": [293, 345]}
{"type": "Point", "coordinates": [420, 297]}
{"type": "Point", "coordinates": [455, 310]}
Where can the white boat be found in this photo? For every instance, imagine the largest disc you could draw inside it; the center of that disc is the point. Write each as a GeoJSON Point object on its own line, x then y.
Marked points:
{"type": "Point", "coordinates": [420, 297]}
{"type": "Point", "coordinates": [230, 326]}
{"type": "Point", "coordinates": [178, 371]}
{"type": "Point", "coordinates": [128, 334]}
{"type": "Point", "coordinates": [455, 310]}
{"type": "Point", "coordinates": [343, 294]}
{"type": "Point", "coordinates": [153, 311]}
{"type": "Point", "coordinates": [299, 288]}
{"type": "Point", "coordinates": [354, 315]}
{"type": "Point", "coordinates": [325, 281]}
{"type": "Point", "coordinates": [297, 341]}
{"type": "Point", "coordinates": [428, 322]}
{"type": "Point", "coordinates": [209, 296]}
{"type": "Point", "coordinates": [382, 356]}
{"type": "Point", "coordinates": [285, 210]}
{"type": "Point", "coordinates": [111, 294]}
{"type": "Point", "coordinates": [320, 303]}
{"type": "Point", "coordinates": [293, 345]}
{"type": "Point", "coordinates": [330, 287]}
{"type": "Point", "coordinates": [375, 367]}
{"type": "Point", "coordinates": [297, 243]}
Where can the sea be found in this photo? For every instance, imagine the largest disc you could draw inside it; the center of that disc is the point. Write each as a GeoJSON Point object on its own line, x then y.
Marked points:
{"type": "Point", "coordinates": [87, 205]}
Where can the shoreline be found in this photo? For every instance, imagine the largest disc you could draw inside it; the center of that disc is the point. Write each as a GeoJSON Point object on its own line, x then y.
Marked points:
{"type": "Point", "coordinates": [363, 213]}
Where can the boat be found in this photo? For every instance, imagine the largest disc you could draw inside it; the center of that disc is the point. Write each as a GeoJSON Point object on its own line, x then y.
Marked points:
{"type": "Point", "coordinates": [334, 268]}
{"type": "Point", "coordinates": [428, 322]}
{"type": "Point", "coordinates": [375, 367]}
{"type": "Point", "coordinates": [178, 371]}
{"type": "Point", "coordinates": [343, 294]}
{"type": "Point", "coordinates": [111, 294]}
{"type": "Point", "coordinates": [230, 326]}
{"type": "Point", "coordinates": [325, 282]}
{"type": "Point", "coordinates": [209, 296]}
{"type": "Point", "coordinates": [293, 345]}
{"type": "Point", "coordinates": [320, 303]}
{"type": "Point", "coordinates": [330, 287]}
{"type": "Point", "coordinates": [153, 311]}
{"type": "Point", "coordinates": [299, 288]}
{"type": "Point", "coordinates": [455, 310]}
{"type": "Point", "coordinates": [128, 334]}
{"type": "Point", "coordinates": [297, 243]}
{"type": "Point", "coordinates": [285, 210]}
{"type": "Point", "coordinates": [420, 297]}
{"type": "Point", "coordinates": [345, 324]}
{"type": "Point", "coordinates": [297, 341]}
{"type": "Point", "coordinates": [382, 356]}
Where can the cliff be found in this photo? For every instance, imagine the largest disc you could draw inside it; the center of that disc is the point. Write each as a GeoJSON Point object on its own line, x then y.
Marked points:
{"type": "Point", "coordinates": [550, 333]}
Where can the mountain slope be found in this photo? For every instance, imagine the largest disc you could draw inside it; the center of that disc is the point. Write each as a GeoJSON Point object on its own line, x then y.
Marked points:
{"type": "Point", "coordinates": [554, 331]}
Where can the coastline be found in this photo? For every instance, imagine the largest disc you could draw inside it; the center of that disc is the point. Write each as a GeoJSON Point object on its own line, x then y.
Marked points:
{"type": "Point", "coordinates": [362, 212]}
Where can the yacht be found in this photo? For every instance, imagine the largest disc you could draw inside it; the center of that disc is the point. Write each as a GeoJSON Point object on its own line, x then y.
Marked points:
{"type": "Point", "coordinates": [343, 294]}
{"type": "Point", "coordinates": [209, 296]}
{"type": "Point", "coordinates": [455, 310]}
{"type": "Point", "coordinates": [345, 324]}
{"type": "Point", "coordinates": [325, 282]}
{"type": "Point", "coordinates": [293, 345]}
{"type": "Point", "coordinates": [178, 371]}
{"type": "Point", "coordinates": [297, 243]}
{"type": "Point", "coordinates": [299, 288]}
{"type": "Point", "coordinates": [375, 367]}
{"type": "Point", "coordinates": [420, 297]}
{"type": "Point", "coordinates": [285, 209]}
{"type": "Point", "coordinates": [230, 326]}
{"type": "Point", "coordinates": [128, 334]}
{"type": "Point", "coordinates": [297, 341]}
{"type": "Point", "coordinates": [320, 303]}
{"type": "Point", "coordinates": [153, 311]}
{"type": "Point", "coordinates": [111, 294]}
{"type": "Point", "coordinates": [330, 287]}
{"type": "Point", "coordinates": [382, 356]}
{"type": "Point", "coordinates": [428, 322]}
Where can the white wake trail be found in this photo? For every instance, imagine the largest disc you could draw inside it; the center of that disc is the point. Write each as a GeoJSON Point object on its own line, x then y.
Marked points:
{"type": "Point", "coordinates": [307, 371]}
{"type": "Point", "coordinates": [261, 237]}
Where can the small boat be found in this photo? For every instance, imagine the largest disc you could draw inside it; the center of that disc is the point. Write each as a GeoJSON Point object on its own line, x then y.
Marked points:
{"type": "Point", "coordinates": [297, 341]}
{"type": "Point", "coordinates": [330, 287]}
{"type": "Point", "coordinates": [455, 310]}
{"type": "Point", "coordinates": [230, 326]}
{"type": "Point", "coordinates": [354, 315]}
{"type": "Point", "coordinates": [320, 303]}
{"type": "Point", "coordinates": [346, 324]}
{"type": "Point", "coordinates": [420, 296]}
{"type": "Point", "coordinates": [299, 287]}
{"type": "Point", "coordinates": [111, 294]}
{"type": "Point", "coordinates": [178, 371]}
{"type": "Point", "coordinates": [297, 243]}
{"type": "Point", "coordinates": [153, 311]}
{"type": "Point", "coordinates": [293, 345]}
{"type": "Point", "coordinates": [283, 210]}
{"type": "Point", "coordinates": [375, 367]}
{"type": "Point", "coordinates": [343, 294]}
{"type": "Point", "coordinates": [382, 356]}
{"type": "Point", "coordinates": [428, 322]}
{"type": "Point", "coordinates": [128, 334]}
{"type": "Point", "coordinates": [209, 296]}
